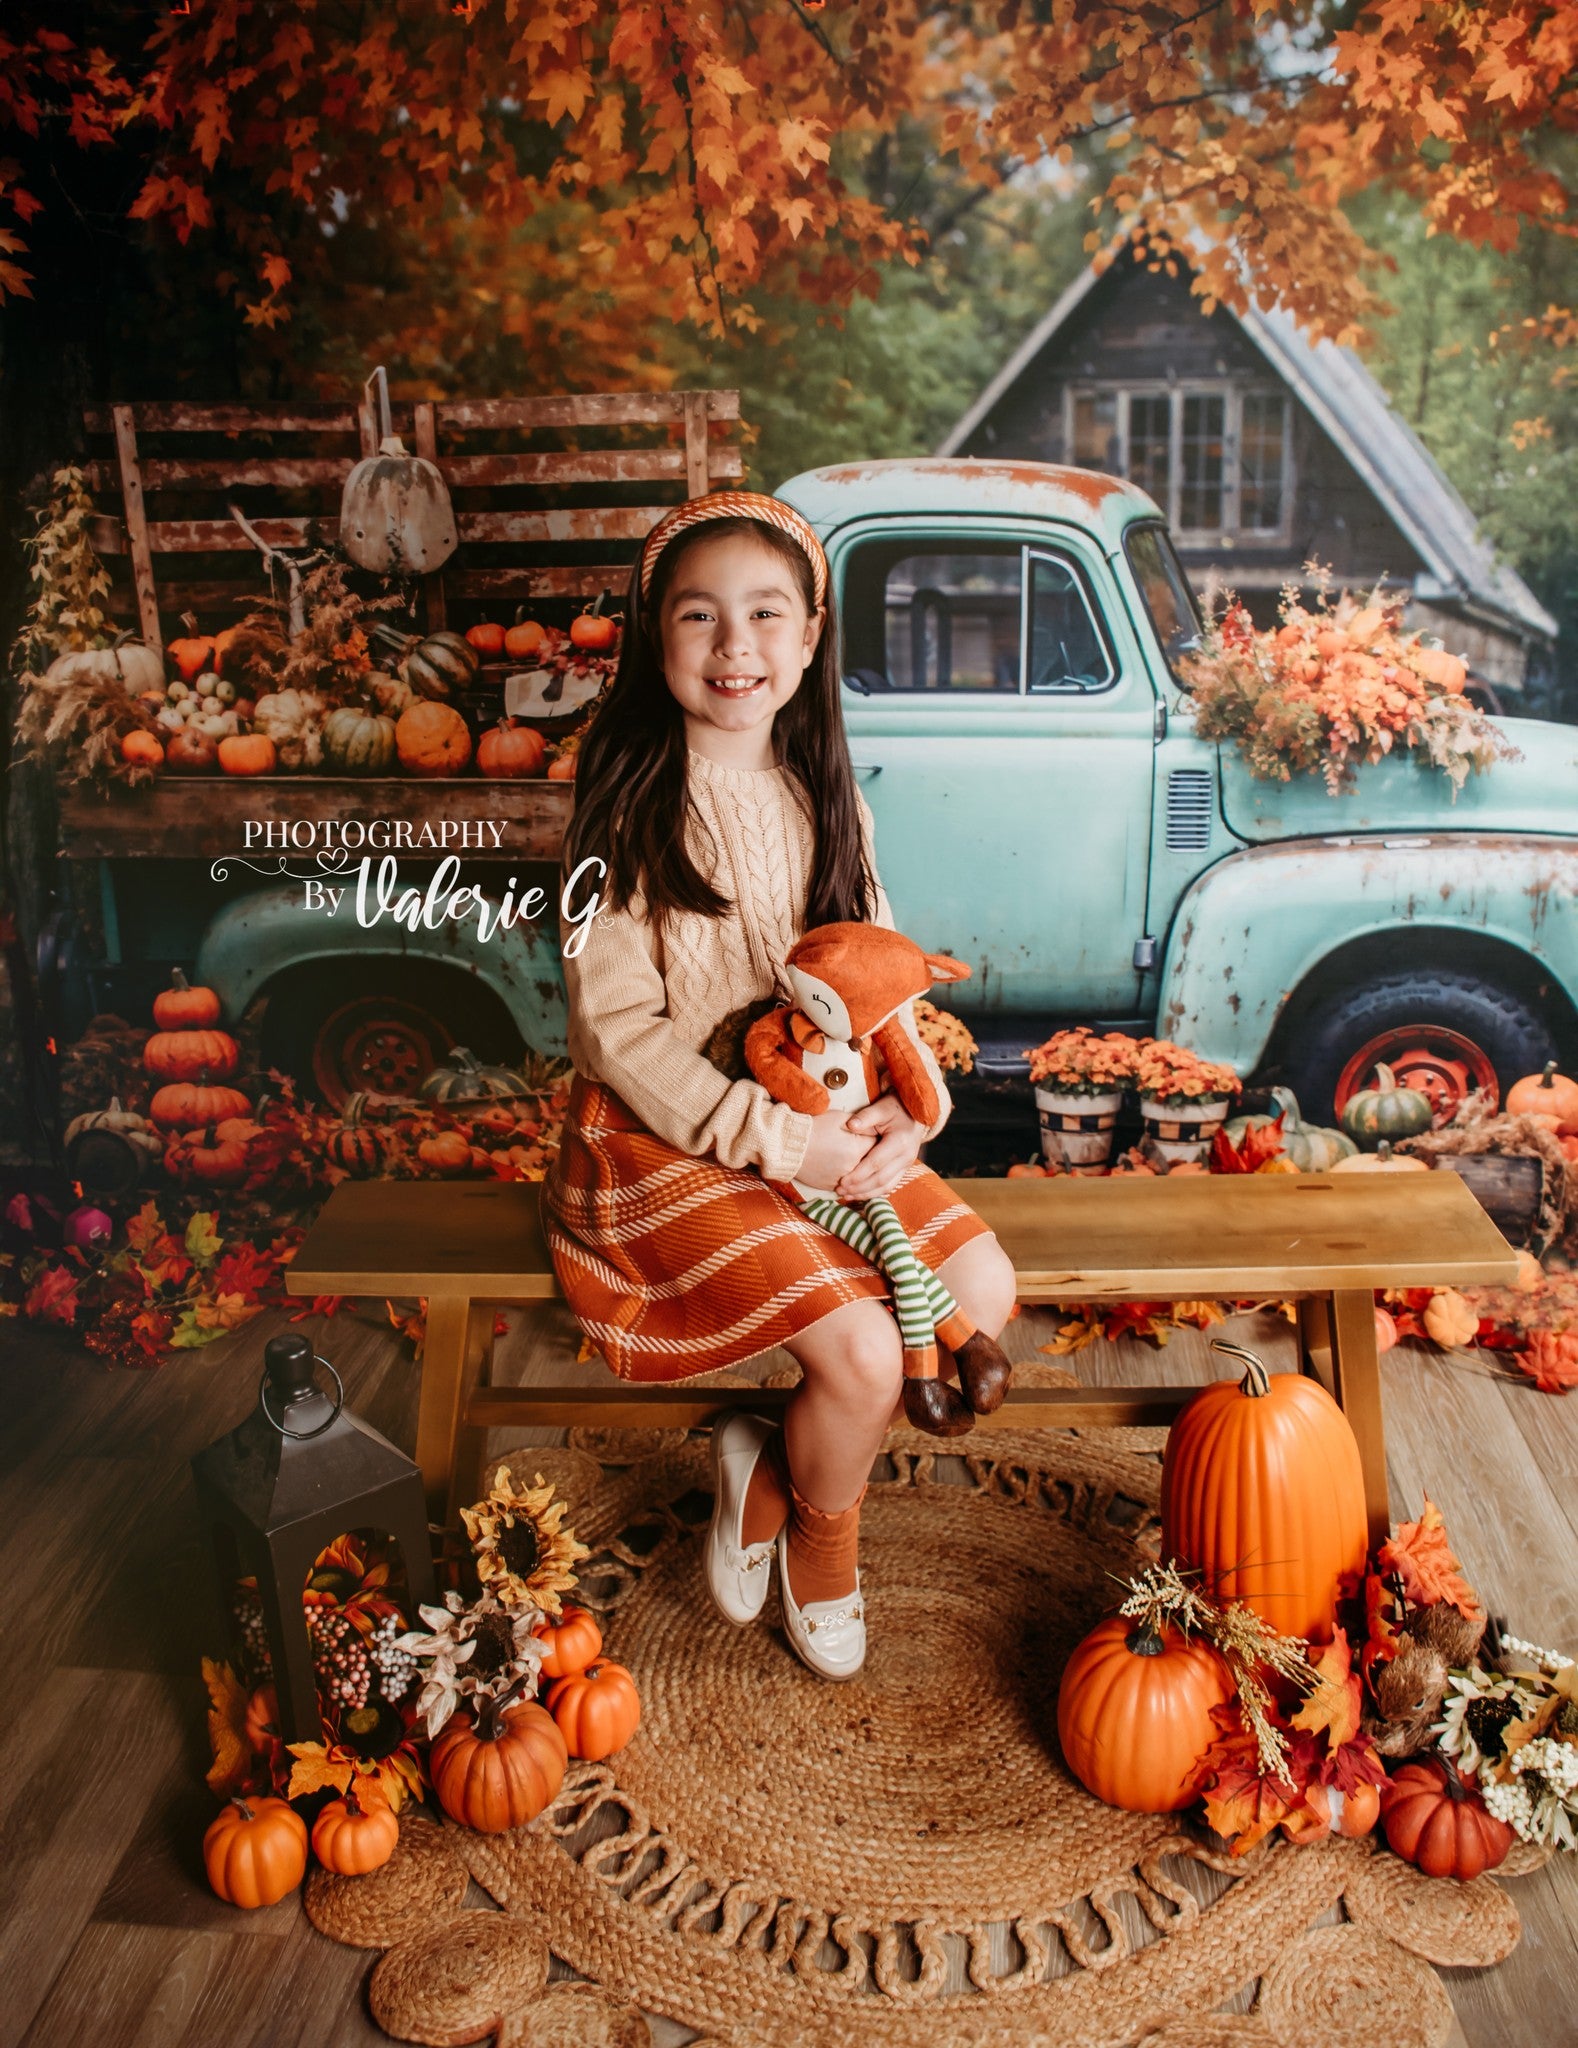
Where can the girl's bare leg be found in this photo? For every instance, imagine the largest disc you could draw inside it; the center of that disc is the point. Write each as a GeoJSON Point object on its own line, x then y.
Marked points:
{"type": "Point", "coordinates": [852, 1367]}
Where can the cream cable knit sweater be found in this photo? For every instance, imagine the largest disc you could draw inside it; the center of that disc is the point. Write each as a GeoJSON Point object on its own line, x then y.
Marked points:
{"type": "Point", "coordinates": [643, 1001]}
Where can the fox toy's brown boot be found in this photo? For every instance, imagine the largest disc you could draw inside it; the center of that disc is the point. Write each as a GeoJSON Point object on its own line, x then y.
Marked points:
{"type": "Point", "coordinates": [931, 1403]}
{"type": "Point", "coordinates": [984, 1367]}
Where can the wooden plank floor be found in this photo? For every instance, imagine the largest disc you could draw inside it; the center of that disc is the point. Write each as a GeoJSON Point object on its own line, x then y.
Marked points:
{"type": "Point", "coordinates": [107, 1930]}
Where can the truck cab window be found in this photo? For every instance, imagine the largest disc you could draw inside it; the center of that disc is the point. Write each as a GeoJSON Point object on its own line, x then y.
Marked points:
{"type": "Point", "coordinates": [1067, 650]}
{"type": "Point", "coordinates": [932, 618]}
{"type": "Point", "coordinates": [1169, 602]}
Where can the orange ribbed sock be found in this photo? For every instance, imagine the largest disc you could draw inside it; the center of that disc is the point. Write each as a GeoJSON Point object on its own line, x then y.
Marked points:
{"type": "Point", "coordinates": [823, 1551]}
{"type": "Point", "coordinates": [767, 1496]}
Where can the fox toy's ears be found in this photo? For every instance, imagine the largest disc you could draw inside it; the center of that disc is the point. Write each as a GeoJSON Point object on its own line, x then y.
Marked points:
{"type": "Point", "coordinates": [944, 967]}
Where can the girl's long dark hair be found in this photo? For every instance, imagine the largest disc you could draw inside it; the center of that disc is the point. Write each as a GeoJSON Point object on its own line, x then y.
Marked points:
{"type": "Point", "coordinates": [630, 771]}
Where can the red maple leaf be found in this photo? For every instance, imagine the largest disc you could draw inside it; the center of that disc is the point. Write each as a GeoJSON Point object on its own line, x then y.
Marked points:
{"type": "Point", "coordinates": [1262, 1142]}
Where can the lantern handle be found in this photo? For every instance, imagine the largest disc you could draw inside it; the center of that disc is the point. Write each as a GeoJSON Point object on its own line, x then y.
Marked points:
{"type": "Point", "coordinates": [302, 1436]}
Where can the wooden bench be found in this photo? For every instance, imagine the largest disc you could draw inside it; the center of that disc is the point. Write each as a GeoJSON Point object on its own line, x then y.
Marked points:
{"type": "Point", "coordinates": [1326, 1241]}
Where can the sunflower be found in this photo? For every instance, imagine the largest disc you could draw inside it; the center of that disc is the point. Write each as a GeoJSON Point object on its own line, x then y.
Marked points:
{"type": "Point", "coordinates": [473, 1655]}
{"type": "Point", "coordinates": [524, 1557]}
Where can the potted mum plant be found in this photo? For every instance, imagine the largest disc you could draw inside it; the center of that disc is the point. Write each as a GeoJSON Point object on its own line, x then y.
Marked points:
{"type": "Point", "coordinates": [1183, 1099]}
{"type": "Point", "coordinates": [1079, 1079]}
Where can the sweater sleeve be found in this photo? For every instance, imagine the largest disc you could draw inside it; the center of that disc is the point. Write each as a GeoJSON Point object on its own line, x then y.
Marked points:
{"type": "Point", "coordinates": [884, 918]}
{"type": "Point", "coordinates": [621, 1035]}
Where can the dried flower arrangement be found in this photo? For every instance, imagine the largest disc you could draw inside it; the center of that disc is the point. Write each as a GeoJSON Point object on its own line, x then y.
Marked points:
{"type": "Point", "coordinates": [1334, 688]}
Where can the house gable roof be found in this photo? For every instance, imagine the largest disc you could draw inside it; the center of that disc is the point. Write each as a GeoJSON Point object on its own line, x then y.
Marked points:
{"type": "Point", "coordinates": [1353, 410]}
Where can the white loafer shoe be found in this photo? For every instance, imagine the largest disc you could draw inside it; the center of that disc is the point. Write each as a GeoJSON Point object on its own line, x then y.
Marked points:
{"type": "Point", "coordinates": [738, 1574]}
{"type": "Point", "coordinates": [827, 1635]}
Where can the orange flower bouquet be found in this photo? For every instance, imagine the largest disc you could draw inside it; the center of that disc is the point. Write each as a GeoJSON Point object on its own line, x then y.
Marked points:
{"type": "Point", "coordinates": [1176, 1078]}
{"type": "Point", "coordinates": [1079, 1062]}
{"type": "Point", "coordinates": [1333, 688]}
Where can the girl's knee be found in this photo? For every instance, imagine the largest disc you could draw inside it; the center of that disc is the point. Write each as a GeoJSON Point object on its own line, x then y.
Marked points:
{"type": "Point", "coordinates": [861, 1360]}
{"type": "Point", "coordinates": [982, 1279]}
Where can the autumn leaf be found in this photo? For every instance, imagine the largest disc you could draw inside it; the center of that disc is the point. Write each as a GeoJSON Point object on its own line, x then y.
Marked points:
{"type": "Point", "coordinates": [1332, 1706]}
{"type": "Point", "coordinates": [232, 1768]}
{"type": "Point", "coordinates": [190, 1334]}
{"type": "Point", "coordinates": [1422, 1558]}
{"type": "Point", "coordinates": [314, 1771]}
{"type": "Point", "coordinates": [202, 1237]}
{"type": "Point", "coordinates": [1550, 1360]}
{"type": "Point", "coordinates": [53, 1296]}
{"type": "Point", "coordinates": [1241, 1803]}
{"type": "Point", "coordinates": [1260, 1145]}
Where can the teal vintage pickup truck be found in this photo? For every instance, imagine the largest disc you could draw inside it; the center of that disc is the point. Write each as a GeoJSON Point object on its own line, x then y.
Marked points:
{"type": "Point", "coordinates": [1046, 813]}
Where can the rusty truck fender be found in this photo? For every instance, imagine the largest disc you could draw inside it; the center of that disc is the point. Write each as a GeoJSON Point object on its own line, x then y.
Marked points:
{"type": "Point", "coordinates": [1253, 929]}
{"type": "Point", "coordinates": [260, 935]}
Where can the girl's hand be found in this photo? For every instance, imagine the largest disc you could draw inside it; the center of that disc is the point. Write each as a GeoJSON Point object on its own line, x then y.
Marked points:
{"type": "Point", "coordinates": [899, 1139]}
{"type": "Point", "coordinates": [834, 1149]}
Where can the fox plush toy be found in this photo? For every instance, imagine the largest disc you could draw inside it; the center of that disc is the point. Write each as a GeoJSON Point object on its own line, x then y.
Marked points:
{"type": "Point", "coordinates": [828, 1050]}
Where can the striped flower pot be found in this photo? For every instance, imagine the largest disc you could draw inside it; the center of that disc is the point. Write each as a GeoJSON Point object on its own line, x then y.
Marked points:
{"type": "Point", "coordinates": [1076, 1130]}
{"type": "Point", "coordinates": [1180, 1136]}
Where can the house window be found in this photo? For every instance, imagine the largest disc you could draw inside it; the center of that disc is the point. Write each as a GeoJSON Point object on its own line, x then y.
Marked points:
{"type": "Point", "coordinates": [1216, 458]}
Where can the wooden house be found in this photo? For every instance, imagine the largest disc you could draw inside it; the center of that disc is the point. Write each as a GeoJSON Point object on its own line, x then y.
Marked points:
{"type": "Point", "coordinates": [1264, 450]}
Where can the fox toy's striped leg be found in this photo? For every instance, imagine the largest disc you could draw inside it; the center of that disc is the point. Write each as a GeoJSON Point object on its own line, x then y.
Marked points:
{"type": "Point", "coordinates": [984, 1369]}
{"type": "Point", "coordinates": [878, 1235]}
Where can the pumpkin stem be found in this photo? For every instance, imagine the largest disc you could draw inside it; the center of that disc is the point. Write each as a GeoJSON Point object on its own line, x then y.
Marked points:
{"type": "Point", "coordinates": [491, 1726]}
{"type": "Point", "coordinates": [1384, 1077]}
{"type": "Point", "coordinates": [1384, 1149]}
{"type": "Point", "coordinates": [1144, 1641]}
{"type": "Point", "coordinates": [1257, 1381]}
{"type": "Point", "coordinates": [1547, 1078]}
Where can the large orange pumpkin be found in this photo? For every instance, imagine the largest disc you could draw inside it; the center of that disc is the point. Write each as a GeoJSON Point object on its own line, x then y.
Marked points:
{"type": "Point", "coordinates": [188, 1105]}
{"type": "Point", "coordinates": [255, 1852]}
{"type": "Point", "coordinates": [598, 1710]}
{"type": "Point", "coordinates": [432, 739]}
{"type": "Point", "coordinates": [1434, 1821]}
{"type": "Point", "coordinates": [248, 753]}
{"type": "Point", "coordinates": [183, 1055]}
{"type": "Point", "coordinates": [1263, 1494]}
{"type": "Point", "coordinates": [500, 1773]}
{"type": "Point", "coordinates": [508, 751]}
{"type": "Point", "coordinates": [1134, 1714]}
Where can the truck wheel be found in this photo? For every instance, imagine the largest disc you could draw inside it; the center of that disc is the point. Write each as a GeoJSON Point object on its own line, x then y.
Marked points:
{"type": "Point", "coordinates": [382, 1027]}
{"type": "Point", "coordinates": [1445, 1034]}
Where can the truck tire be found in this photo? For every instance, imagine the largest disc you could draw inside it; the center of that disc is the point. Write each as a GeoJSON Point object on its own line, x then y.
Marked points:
{"type": "Point", "coordinates": [380, 1025]}
{"type": "Point", "coordinates": [1443, 1032]}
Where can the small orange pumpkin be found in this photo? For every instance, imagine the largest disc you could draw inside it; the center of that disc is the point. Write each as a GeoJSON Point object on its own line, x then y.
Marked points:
{"type": "Point", "coordinates": [1361, 1809]}
{"type": "Point", "coordinates": [192, 654]}
{"type": "Point", "coordinates": [1434, 1821]}
{"type": "Point", "coordinates": [487, 640]}
{"type": "Point", "coordinates": [357, 1833]}
{"type": "Point", "coordinates": [255, 1852]}
{"type": "Point", "coordinates": [207, 1157]}
{"type": "Point", "coordinates": [1450, 1320]}
{"type": "Point", "coordinates": [509, 751]}
{"type": "Point", "coordinates": [432, 739]}
{"type": "Point", "coordinates": [500, 1772]}
{"type": "Point", "coordinates": [562, 768]}
{"type": "Point", "coordinates": [141, 749]}
{"type": "Point", "coordinates": [593, 631]}
{"type": "Point", "coordinates": [1545, 1094]}
{"type": "Point", "coordinates": [597, 1710]}
{"type": "Point", "coordinates": [248, 753]}
{"type": "Point", "coordinates": [180, 1007]}
{"type": "Point", "coordinates": [573, 1643]}
{"type": "Point", "coordinates": [1134, 1714]}
{"type": "Point", "coordinates": [524, 637]}
{"type": "Point", "coordinates": [446, 1152]}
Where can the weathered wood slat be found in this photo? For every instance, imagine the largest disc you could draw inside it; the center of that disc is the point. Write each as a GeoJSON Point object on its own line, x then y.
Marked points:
{"type": "Point", "coordinates": [204, 817]}
{"type": "Point", "coordinates": [182, 418]}
{"type": "Point", "coordinates": [425, 440]}
{"type": "Point", "coordinates": [592, 522]}
{"type": "Point", "coordinates": [276, 472]}
{"type": "Point", "coordinates": [461, 472]}
{"type": "Point", "coordinates": [583, 409]}
{"type": "Point", "coordinates": [136, 512]}
{"type": "Point", "coordinates": [528, 582]}
{"type": "Point", "coordinates": [698, 469]}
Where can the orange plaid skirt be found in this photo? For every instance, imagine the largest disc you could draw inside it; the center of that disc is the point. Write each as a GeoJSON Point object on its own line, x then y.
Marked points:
{"type": "Point", "coordinates": [675, 1265]}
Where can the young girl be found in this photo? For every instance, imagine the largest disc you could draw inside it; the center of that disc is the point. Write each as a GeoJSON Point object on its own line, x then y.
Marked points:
{"type": "Point", "coordinates": [716, 785]}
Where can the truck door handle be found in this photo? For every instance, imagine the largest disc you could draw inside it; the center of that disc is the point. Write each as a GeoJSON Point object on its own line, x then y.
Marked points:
{"type": "Point", "coordinates": [865, 769]}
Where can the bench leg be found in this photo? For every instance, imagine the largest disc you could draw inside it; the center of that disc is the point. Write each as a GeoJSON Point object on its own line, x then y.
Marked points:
{"type": "Point", "coordinates": [1358, 1373]}
{"type": "Point", "coordinates": [457, 1355]}
{"type": "Point", "coordinates": [1315, 1340]}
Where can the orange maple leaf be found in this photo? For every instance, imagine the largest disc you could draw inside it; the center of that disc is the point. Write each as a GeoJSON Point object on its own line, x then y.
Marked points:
{"type": "Point", "coordinates": [1259, 1146]}
{"type": "Point", "coordinates": [1332, 1706]}
{"type": "Point", "coordinates": [1423, 1559]}
{"type": "Point", "coordinates": [1550, 1360]}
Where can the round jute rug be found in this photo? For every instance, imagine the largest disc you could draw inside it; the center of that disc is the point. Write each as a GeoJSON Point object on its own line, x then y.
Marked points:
{"type": "Point", "coordinates": [904, 1859]}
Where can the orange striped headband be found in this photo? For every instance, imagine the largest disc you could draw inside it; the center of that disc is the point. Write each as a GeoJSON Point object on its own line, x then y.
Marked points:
{"type": "Point", "coordinates": [734, 505]}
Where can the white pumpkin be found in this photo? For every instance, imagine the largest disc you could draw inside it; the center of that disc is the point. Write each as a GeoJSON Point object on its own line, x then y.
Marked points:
{"type": "Point", "coordinates": [135, 667]}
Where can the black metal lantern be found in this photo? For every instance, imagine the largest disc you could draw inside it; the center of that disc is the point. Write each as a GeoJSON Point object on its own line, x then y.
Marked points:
{"type": "Point", "coordinates": [299, 1472]}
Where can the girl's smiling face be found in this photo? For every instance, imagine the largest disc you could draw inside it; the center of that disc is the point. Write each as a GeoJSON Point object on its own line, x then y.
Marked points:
{"type": "Point", "coordinates": [736, 641]}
